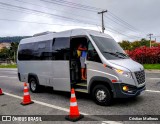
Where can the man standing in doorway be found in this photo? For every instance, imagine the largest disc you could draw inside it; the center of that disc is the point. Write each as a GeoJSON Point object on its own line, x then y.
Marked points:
{"type": "Point", "coordinates": [82, 53]}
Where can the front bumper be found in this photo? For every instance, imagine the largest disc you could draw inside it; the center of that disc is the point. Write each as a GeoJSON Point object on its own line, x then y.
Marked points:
{"type": "Point", "coordinates": [134, 91]}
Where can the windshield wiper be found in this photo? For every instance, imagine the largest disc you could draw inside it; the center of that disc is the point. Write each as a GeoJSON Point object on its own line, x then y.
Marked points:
{"type": "Point", "coordinates": [122, 54]}
{"type": "Point", "coordinates": [114, 54]}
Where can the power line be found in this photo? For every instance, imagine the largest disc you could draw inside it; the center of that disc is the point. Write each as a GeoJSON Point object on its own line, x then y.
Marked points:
{"type": "Point", "coordinates": [63, 1]}
{"type": "Point", "coordinates": [57, 24]}
{"type": "Point", "coordinates": [117, 22]}
{"type": "Point", "coordinates": [22, 21]}
{"type": "Point", "coordinates": [83, 7]}
{"type": "Point", "coordinates": [75, 20]}
{"type": "Point", "coordinates": [128, 37]}
{"type": "Point", "coordinates": [79, 8]}
{"type": "Point", "coordinates": [120, 20]}
{"type": "Point", "coordinates": [109, 24]}
{"type": "Point", "coordinates": [77, 4]}
{"type": "Point", "coordinates": [58, 10]}
{"type": "Point", "coordinates": [124, 22]}
{"type": "Point", "coordinates": [13, 10]}
{"type": "Point", "coordinates": [122, 33]}
{"type": "Point", "coordinates": [62, 4]}
{"type": "Point", "coordinates": [42, 23]}
{"type": "Point", "coordinates": [8, 9]}
{"type": "Point", "coordinates": [96, 9]}
{"type": "Point", "coordinates": [125, 34]}
{"type": "Point", "coordinates": [55, 15]}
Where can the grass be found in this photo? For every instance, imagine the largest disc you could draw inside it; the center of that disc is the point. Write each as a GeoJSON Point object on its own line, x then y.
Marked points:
{"type": "Point", "coordinates": [152, 66]}
{"type": "Point", "coordinates": [8, 66]}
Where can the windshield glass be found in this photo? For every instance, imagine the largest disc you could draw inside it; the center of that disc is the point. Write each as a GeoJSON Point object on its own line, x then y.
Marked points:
{"type": "Point", "coordinates": [109, 48]}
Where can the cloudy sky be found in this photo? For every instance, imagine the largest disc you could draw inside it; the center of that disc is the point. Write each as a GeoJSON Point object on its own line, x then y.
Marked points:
{"type": "Point", "coordinates": [125, 19]}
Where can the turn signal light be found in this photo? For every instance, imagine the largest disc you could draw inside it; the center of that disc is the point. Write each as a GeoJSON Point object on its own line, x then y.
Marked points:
{"type": "Point", "coordinates": [104, 65]}
{"type": "Point", "coordinates": [125, 88]}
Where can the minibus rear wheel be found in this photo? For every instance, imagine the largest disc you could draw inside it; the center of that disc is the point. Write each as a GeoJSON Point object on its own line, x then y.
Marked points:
{"type": "Point", "coordinates": [102, 95]}
{"type": "Point", "coordinates": [33, 85]}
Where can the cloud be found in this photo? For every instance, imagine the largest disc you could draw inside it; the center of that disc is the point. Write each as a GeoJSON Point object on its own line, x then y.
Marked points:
{"type": "Point", "coordinates": [141, 14]}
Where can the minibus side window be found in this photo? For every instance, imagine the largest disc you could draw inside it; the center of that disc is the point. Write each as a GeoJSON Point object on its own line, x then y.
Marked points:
{"type": "Point", "coordinates": [92, 54]}
{"type": "Point", "coordinates": [42, 51]}
{"type": "Point", "coordinates": [35, 51]}
{"type": "Point", "coordinates": [61, 49]}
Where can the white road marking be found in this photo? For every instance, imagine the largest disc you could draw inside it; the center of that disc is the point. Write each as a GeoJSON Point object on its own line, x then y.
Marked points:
{"type": "Point", "coordinates": [3, 76]}
{"type": "Point", "coordinates": [7, 77]}
{"type": "Point", "coordinates": [12, 77]}
{"type": "Point", "coordinates": [154, 78]}
{"type": "Point", "coordinates": [11, 72]}
{"type": "Point", "coordinates": [111, 122]}
{"type": "Point", "coordinates": [60, 108]}
{"type": "Point", "coordinates": [153, 91]}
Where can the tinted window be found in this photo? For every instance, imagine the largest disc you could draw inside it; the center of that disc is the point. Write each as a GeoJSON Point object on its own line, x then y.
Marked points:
{"type": "Point", "coordinates": [35, 51]}
{"type": "Point", "coordinates": [92, 54]}
{"type": "Point", "coordinates": [42, 51]}
{"type": "Point", "coordinates": [61, 49]}
{"type": "Point", "coordinates": [26, 51]}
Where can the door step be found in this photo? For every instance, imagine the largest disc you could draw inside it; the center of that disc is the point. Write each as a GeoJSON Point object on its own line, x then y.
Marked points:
{"type": "Point", "coordinates": [82, 84]}
{"type": "Point", "coordinates": [81, 90]}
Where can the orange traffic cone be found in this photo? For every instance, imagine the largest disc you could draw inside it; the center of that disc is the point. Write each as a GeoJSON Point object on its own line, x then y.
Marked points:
{"type": "Point", "coordinates": [1, 92]}
{"type": "Point", "coordinates": [74, 114]}
{"type": "Point", "coordinates": [26, 97]}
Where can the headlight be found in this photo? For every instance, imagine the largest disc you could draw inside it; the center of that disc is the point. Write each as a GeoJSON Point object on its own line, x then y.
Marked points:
{"type": "Point", "coordinates": [124, 73]}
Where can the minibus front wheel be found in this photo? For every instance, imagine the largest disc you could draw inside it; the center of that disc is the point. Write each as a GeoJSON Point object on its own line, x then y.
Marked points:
{"type": "Point", "coordinates": [33, 85]}
{"type": "Point", "coordinates": [102, 95]}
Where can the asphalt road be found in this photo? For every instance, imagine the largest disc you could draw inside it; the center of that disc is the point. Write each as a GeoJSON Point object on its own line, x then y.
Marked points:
{"type": "Point", "coordinates": [51, 102]}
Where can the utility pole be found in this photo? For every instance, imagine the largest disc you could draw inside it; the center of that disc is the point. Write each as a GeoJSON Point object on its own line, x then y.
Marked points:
{"type": "Point", "coordinates": [150, 36]}
{"type": "Point", "coordinates": [102, 12]}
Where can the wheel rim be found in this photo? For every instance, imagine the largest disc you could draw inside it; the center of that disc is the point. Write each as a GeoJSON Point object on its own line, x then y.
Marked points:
{"type": "Point", "coordinates": [33, 85]}
{"type": "Point", "coordinates": [101, 95]}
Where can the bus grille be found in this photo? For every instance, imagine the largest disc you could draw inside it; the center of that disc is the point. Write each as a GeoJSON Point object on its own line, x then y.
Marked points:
{"type": "Point", "coordinates": [140, 76]}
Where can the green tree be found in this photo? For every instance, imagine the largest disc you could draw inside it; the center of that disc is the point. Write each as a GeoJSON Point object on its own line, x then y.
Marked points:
{"type": "Point", "coordinates": [9, 53]}
{"type": "Point", "coordinates": [5, 54]}
{"type": "Point", "coordinates": [13, 49]}
{"type": "Point", "coordinates": [126, 45]}
{"type": "Point", "coordinates": [145, 42]}
{"type": "Point", "coordinates": [135, 45]}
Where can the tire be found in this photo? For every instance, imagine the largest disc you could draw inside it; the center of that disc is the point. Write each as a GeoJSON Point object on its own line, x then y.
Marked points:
{"type": "Point", "coordinates": [102, 95]}
{"type": "Point", "coordinates": [33, 85]}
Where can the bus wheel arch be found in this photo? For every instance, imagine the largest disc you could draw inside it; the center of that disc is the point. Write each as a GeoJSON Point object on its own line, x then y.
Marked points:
{"type": "Point", "coordinates": [33, 83]}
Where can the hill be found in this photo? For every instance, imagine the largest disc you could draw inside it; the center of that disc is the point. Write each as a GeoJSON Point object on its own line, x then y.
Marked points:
{"type": "Point", "coordinates": [11, 39]}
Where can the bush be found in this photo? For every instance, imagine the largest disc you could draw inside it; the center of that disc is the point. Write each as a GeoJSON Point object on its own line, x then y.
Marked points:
{"type": "Point", "coordinates": [146, 55]}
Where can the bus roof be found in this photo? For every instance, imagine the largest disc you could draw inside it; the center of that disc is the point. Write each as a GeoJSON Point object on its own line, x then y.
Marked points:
{"type": "Point", "coordinates": [67, 33]}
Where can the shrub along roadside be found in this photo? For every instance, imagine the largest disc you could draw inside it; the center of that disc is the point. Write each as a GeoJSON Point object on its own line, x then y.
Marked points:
{"type": "Point", "coordinates": [8, 66]}
{"type": "Point", "coordinates": [146, 55]}
{"type": "Point", "coordinates": [152, 66]}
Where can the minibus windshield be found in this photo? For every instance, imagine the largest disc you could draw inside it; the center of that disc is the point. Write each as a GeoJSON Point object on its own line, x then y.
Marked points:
{"type": "Point", "coordinates": [109, 48]}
